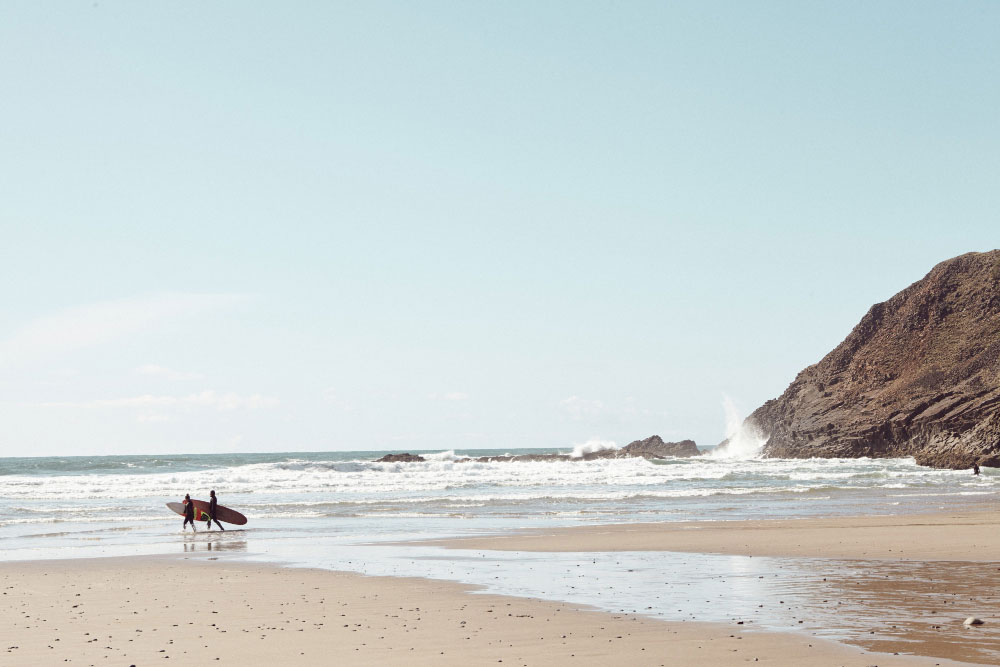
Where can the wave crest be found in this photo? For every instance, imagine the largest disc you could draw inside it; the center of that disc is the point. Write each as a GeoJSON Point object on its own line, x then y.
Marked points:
{"type": "Point", "coordinates": [591, 446]}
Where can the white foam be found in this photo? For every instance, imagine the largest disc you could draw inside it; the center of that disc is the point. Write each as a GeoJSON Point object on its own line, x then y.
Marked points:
{"type": "Point", "coordinates": [448, 455]}
{"type": "Point", "coordinates": [445, 485]}
{"type": "Point", "coordinates": [744, 440]}
{"type": "Point", "coordinates": [591, 446]}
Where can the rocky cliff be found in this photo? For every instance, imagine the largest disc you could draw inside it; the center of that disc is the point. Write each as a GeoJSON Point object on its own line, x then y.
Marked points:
{"type": "Point", "coordinates": [918, 376]}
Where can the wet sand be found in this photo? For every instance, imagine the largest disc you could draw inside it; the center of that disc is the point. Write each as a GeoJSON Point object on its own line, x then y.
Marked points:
{"type": "Point", "coordinates": [959, 536]}
{"type": "Point", "coordinates": [201, 610]}
{"type": "Point", "coordinates": [878, 585]}
{"type": "Point", "coordinates": [885, 583]}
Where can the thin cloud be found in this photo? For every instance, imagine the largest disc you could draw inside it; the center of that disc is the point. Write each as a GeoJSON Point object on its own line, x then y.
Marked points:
{"type": "Point", "coordinates": [205, 399]}
{"type": "Point", "coordinates": [98, 323]}
{"type": "Point", "coordinates": [152, 419]}
{"type": "Point", "coordinates": [167, 373]}
{"type": "Point", "coordinates": [332, 397]}
{"type": "Point", "coordinates": [580, 408]}
{"type": "Point", "coordinates": [449, 396]}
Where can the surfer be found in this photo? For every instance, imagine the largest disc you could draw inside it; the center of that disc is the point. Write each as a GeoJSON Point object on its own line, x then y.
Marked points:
{"type": "Point", "coordinates": [212, 504]}
{"type": "Point", "coordinates": [975, 468]}
{"type": "Point", "coordinates": [188, 513]}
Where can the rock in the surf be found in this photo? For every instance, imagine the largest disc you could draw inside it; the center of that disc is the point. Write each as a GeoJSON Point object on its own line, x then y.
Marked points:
{"type": "Point", "coordinates": [401, 458]}
{"type": "Point", "coordinates": [918, 376]}
{"type": "Point", "coordinates": [972, 620]}
{"type": "Point", "coordinates": [653, 447]}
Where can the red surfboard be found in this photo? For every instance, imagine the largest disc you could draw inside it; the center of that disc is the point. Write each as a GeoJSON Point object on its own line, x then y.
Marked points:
{"type": "Point", "coordinates": [223, 514]}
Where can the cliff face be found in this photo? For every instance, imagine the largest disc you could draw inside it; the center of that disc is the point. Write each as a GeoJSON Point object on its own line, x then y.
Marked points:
{"type": "Point", "coordinates": [918, 376]}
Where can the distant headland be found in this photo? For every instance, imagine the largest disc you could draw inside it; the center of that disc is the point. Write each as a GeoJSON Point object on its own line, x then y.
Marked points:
{"type": "Point", "coordinates": [918, 376]}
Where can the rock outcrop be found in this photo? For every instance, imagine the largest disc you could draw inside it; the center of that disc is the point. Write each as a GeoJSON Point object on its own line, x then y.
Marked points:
{"type": "Point", "coordinates": [653, 447]}
{"type": "Point", "coordinates": [918, 376]}
{"type": "Point", "coordinates": [401, 458]}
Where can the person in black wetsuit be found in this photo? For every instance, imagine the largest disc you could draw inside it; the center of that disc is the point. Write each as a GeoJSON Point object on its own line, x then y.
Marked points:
{"type": "Point", "coordinates": [188, 513]}
{"type": "Point", "coordinates": [212, 504]}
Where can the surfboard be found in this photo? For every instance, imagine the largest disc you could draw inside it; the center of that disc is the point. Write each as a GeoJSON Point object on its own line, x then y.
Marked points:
{"type": "Point", "coordinates": [223, 514]}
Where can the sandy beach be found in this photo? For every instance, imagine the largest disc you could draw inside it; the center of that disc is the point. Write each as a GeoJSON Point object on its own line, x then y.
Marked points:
{"type": "Point", "coordinates": [205, 609]}
{"type": "Point", "coordinates": [947, 536]}
{"type": "Point", "coordinates": [199, 611]}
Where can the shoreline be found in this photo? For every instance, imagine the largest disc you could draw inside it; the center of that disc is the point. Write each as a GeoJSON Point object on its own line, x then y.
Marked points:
{"type": "Point", "coordinates": [195, 610]}
{"type": "Point", "coordinates": [914, 602]}
{"type": "Point", "coordinates": [964, 535]}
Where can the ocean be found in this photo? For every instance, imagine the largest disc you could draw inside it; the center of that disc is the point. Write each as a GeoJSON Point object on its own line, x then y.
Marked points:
{"type": "Point", "coordinates": [103, 505]}
{"type": "Point", "coordinates": [344, 511]}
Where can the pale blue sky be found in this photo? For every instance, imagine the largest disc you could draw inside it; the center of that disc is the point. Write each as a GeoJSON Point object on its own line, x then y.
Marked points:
{"type": "Point", "coordinates": [238, 226]}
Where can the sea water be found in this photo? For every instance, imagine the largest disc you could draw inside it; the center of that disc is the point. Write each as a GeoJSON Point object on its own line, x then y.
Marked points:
{"type": "Point", "coordinates": [345, 511]}
{"type": "Point", "coordinates": [49, 501]}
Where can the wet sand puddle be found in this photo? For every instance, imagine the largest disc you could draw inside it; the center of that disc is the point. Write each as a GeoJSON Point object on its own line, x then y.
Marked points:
{"type": "Point", "coordinates": [908, 607]}
{"type": "Point", "coordinates": [904, 607]}
{"type": "Point", "coordinates": [911, 607]}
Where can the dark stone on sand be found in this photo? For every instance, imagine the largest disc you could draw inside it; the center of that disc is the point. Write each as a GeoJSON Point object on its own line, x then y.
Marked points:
{"type": "Point", "coordinates": [918, 376]}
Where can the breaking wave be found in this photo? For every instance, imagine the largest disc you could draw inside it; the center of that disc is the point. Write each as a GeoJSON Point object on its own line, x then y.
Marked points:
{"type": "Point", "coordinates": [743, 440]}
{"type": "Point", "coordinates": [592, 446]}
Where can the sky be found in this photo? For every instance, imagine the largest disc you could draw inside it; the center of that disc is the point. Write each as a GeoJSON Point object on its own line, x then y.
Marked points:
{"type": "Point", "coordinates": [244, 226]}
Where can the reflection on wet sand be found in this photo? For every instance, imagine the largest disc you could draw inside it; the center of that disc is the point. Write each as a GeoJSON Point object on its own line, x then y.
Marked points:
{"type": "Point", "coordinates": [906, 607]}
{"type": "Point", "coordinates": [911, 607]}
{"type": "Point", "coordinates": [233, 540]}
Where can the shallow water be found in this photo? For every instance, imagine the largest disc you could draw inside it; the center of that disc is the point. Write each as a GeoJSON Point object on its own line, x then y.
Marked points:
{"type": "Point", "coordinates": [133, 489]}
{"type": "Point", "coordinates": [333, 511]}
{"type": "Point", "coordinates": [901, 606]}
{"type": "Point", "coordinates": [87, 506]}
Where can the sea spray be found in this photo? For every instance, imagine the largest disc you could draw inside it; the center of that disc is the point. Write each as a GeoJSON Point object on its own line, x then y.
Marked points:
{"type": "Point", "coordinates": [743, 440]}
{"type": "Point", "coordinates": [591, 446]}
